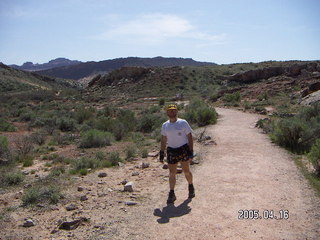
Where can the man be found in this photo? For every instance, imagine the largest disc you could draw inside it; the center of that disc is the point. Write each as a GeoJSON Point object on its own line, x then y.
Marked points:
{"type": "Point", "coordinates": [177, 134]}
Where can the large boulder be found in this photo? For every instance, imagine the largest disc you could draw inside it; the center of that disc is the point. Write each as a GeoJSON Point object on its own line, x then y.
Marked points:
{"type": "Point", "coordinates": [255, 75]}
{"type": "Point", "coordinates": [311, 99]}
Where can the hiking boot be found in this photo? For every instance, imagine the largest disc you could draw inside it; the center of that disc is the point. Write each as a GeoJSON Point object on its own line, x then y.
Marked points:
{"type": "Point", "coordinates": [191, 191]}
{"type": "Point", "coordinates": [171, 198]}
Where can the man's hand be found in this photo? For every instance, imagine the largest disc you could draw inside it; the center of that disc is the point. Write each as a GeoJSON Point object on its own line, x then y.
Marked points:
{"type": "Point", "coordinates": [161, 155]}
{"type": "Point", "coordinates": [190, 154]}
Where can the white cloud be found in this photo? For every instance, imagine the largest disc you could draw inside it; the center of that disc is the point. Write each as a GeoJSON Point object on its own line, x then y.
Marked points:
{"type": "Point", "coordinates": [156, 28]}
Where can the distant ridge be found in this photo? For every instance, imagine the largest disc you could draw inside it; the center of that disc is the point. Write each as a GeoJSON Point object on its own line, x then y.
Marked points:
{"type": "Point", "coordinates": [15, 80]}
{"type": "Point", "coordinates": [86, 69]}
{"type": "Point", "coordinates": [58, 62]}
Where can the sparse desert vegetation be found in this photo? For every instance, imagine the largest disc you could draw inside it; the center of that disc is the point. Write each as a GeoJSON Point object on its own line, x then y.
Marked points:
{"type": "Point", "coordinates": [54, 132]}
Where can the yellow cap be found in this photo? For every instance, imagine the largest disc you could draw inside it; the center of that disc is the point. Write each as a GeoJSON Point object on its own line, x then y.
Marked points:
{"type": "Point", "coordinates": [172, 107]}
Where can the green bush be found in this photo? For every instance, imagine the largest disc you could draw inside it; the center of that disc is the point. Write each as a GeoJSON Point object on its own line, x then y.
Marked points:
{"type": "Point", "coordinates": [144, 153]}
{"type": "Point", "coordinates": [13, 178]}
{"type": "Point", "coordinates": [131, 151]}
{"type": "Point", "coordinates": [232, 97]}
{"type": "Point", "coordinates": [4, 147]}
{"type": "Point", "coordinates": [6, 127]}
{"type": "Point", "coordinates": [43, 194]}
{"type": "Point", "coordinates": [27, 160]}
{"type": "Point", "coordinates": [162, 101]}
{"type": "Point", "coordinates": [100, 156]}
{"type": "Point", "coordinates": [38, 137]}
{"type": "Point", "coordinates": [150, 122]}
{"type": "Point", "coordinates": [85, 163]}
{"type": "Point", "coordinates": [66, 124]}
{"type": "Point", "coordinates": [120, 126]}
{"type": "Point", "coordinates": [104, 123]}
{"type": "Point", "coordinates": [23, 145]}
{"type": "Point", "coordinates": [127, 118]}
{"type": "Point", "coordinates": [314, 156]}
{"type": "Point", "coordinates": [56, 172]}
{"type": "Point", "coordinates": [83, 114]}
{"type": "Point", "coordinates": [27, 115]}
{"type": "Point", "coordinates": [119, 130]}
{"type": "Point", "coordinates": [114, 158]}
{"type": "Point", "coordinates": [83, 171]}
{"type": "Point", "coordinates": [200, 113]}
{"type": "Point", "coordinates": [95, 138]}
{"type": "Point", "coordinates": [300, 132]}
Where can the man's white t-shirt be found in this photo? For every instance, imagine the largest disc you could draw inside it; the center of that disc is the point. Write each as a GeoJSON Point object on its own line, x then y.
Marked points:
{"type": "Point", "coordinates": [176, 132]}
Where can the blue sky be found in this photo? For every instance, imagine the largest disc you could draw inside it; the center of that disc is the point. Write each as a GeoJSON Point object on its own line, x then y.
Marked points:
{"type": "Point", "coordinates": [224, 31]}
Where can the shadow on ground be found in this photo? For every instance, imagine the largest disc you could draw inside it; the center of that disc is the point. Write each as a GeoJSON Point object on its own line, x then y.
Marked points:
{"type": "Point", "coordinates": [171, 211]}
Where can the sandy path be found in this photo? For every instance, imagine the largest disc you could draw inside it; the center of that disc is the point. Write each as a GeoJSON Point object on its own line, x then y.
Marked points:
{"type": "Point", "coordinates": [244, 171]}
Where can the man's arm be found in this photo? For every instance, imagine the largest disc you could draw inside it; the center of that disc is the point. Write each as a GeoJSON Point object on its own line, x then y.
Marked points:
{"type": "Point", "coordinates": [190, 144]}
{"type": "Point", "coordinates": [163, 142]}
{"type": "Point", "coordinates": [163, 147]}
{"type": "Point", "coordinates": [190, 141]}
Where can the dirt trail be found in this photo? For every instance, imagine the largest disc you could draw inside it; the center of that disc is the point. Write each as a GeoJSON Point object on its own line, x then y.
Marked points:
{"type": "Point", "coordinates": [243, 171]}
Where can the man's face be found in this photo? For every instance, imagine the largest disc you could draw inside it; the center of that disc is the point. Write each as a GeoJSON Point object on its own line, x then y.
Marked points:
{"type": "Point", "coordinates": [172, 113]}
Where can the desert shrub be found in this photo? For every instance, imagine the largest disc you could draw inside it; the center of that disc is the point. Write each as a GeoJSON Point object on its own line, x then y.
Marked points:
{"type": "Point", "coordinates": [232, 97]}
{"type": "Point", "coordinates": [27, 115]}
{"type": "Point", "coordinates": [131, 151]}
{"type": "Point", "coordinates": [127, 118]}
{"type": "Point", "coordinates": [119, 130]}
{"type": "Point", "coordinates": [56, 172]}
{"type": "Point", "coordinates": [38, 137]}
{"type": "Point", "coordinates": [108, 111]}
{"type": "Point", "coordinates": [95, 138]}
{"type": "Point", "coordinates": [63, 139]}
{"type": "Point", "coordinates": [83, 114]}
{"type": "Point", "coordinates": [114, 158]}
{"type": "Point", "coordinates": [206, 116]}
{"type": "Point", "coordinates": [104, 124]}
{"type": "Point", "coordinates": [48, 124]}
{"type": "Point", "coordinates": [6, 127]}
{"type": "Point", "coordinates": [288, 134]}
{"type": "Point", "coordinates": [100, 156]}
{"type": "Point", "coordinates": [124, 122]}
{"type": "Point", "coordinates": [66, 124]}
{"type": "Point", "coordinates": [314, 156]}
{"type": "Point", "coordinates": [41, 194]}
{"type": "Point", "coordinates": [162, 101]}
{"type": "Point", "coordinates": [24, 145]}
{"type": "Point", "coordinates": [83, 171]}
{"type": "Point", "coordinates": [310, 113]}
{"type": "Point", "coordinates": [144, 153]}
{"type": "Point", "coordinates": [13, 178]}
{"type": "Point", "coordinates": [260, 109]}
{"type": "Point", "coordinates": [137, 137]}
{"type": "Point", "coordinates": [263, 96]}
{"type": "Point", "coordinates": [4, 147]}
{"type": "Point", "coordinates": [298, 133]}
{"type": "Point", "coordinates": [85, 163]}
{"type": "Point", "coordinates": [200, 113]}
{"type": "Point", "coordinates": [214, 97]}
{"type": "Point", "coordinates": [42, 95]}
{"type": "Point", "coordinates": [246, 105]}
{"type": "Point", "coordinates": [152, 109]}
{"type": "Point", "coordinates": [150, 122]}
{"type": "Point", "coordinates": [26, 160]}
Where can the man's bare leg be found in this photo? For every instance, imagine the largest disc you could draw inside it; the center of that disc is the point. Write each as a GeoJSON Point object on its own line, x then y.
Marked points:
{"type": "Point", "coordinates": [172, 182]}
{"type": "Point", "coordinates": [186, 169]}
{"type": "Point", "coordinates": [187, 173]}
{"type": "Point", "coordinates": [172, 175]}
